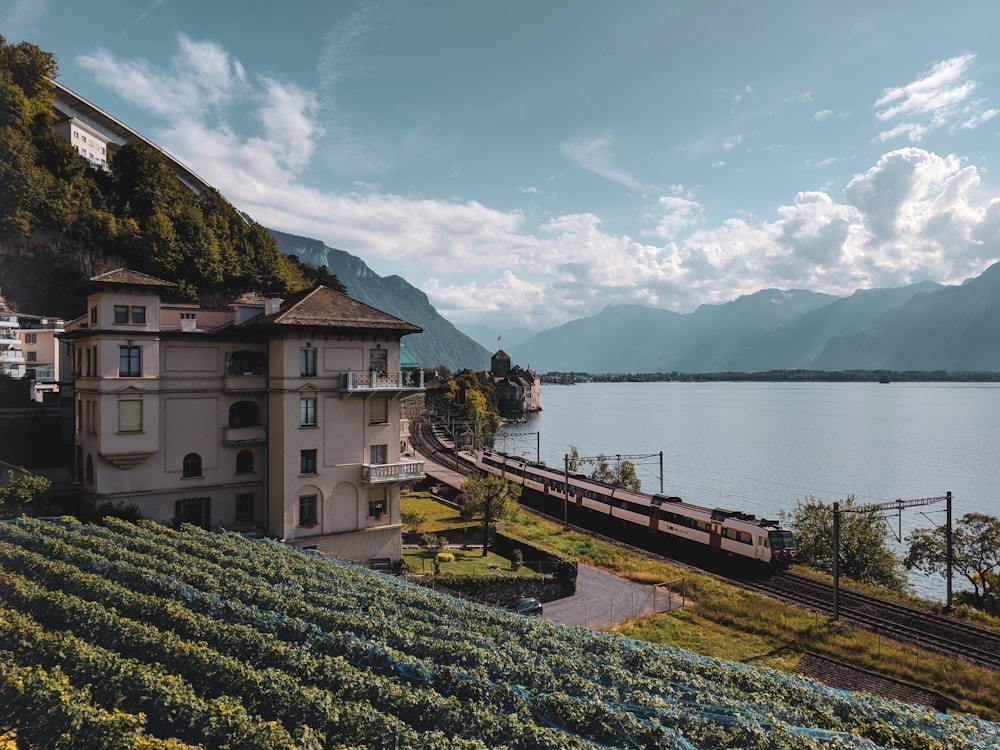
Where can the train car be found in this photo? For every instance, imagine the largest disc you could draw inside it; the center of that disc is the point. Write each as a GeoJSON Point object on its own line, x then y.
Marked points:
{"type": "Point", "coordinates": [727, 531]}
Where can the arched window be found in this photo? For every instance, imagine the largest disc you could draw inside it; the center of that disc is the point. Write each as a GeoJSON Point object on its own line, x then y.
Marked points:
{"type": "Point", "coordinates": [244, 414]}
{"type": "Point", "coordinates": [192, 465]}
{"type": "Point", "coordinates": [244, 462]}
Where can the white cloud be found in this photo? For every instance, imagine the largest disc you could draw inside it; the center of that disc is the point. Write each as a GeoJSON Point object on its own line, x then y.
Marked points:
{"type": "Point", "coordinates": [939, 99]}
{"type": "Point", "coordinates": [913, 215]}
{"type": "Point", "coordinates": [595, 155]}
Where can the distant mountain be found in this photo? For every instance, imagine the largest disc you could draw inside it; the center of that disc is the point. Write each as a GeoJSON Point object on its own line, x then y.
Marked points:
{"type": "Point", "coordinates": [924, 326]}
{"type": "Point", "coordinates": [488, 335]}
{"type": "Point", "coordinates": [440, 343]}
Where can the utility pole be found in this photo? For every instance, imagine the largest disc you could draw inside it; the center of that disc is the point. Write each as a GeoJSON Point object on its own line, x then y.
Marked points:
{"type": "Point", "coordinates": [897, 506]}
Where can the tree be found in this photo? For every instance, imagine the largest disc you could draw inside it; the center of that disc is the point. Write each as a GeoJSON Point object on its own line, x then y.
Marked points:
{"type": "Point", "coordinates": [622, 474]}
{"type": "Point", "coordinates": [491, 498]}
{"type": "Point", "coordinates": [975, 541]}
{"type": "Point", "coordinates": [865, 554]}
{"type": "Point", "coordinates": [21, 491]}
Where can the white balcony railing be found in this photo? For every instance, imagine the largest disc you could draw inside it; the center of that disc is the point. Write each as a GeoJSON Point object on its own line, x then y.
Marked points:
{"type": "Point", "coordinates": [388, 381]}
{"type": "Point", "coordinates": [8, 321]}
{"type": "Point", "coordinates": [404, 471]}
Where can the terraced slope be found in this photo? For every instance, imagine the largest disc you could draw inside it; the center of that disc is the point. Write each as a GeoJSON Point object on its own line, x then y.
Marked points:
{"type": "Point", "coordinates": [132, 636]}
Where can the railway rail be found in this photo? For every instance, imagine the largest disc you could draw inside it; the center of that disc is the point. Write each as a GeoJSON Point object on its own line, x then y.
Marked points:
{"type": "Point", "coordinates": [937, 633]}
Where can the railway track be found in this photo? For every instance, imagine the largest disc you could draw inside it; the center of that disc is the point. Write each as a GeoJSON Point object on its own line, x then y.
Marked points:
{"type": "Point", "coordinates": [937, 633]}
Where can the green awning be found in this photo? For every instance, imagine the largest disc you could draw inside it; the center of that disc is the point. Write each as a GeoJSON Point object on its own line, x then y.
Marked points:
{"type": "Point", "coordinates": [406, 360]}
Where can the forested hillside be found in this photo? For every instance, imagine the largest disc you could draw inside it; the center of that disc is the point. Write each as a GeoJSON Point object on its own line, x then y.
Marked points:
{"type": "Point", "coordinates": [140, 636]}
{"type": "Point", "coordinates": [62, 219]}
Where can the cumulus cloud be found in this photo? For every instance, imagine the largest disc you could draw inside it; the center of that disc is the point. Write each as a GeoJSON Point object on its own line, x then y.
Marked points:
{"type": "Point", "coordinates": [913, 215]}
{"type": "Point", "coordinates": [940, 99]}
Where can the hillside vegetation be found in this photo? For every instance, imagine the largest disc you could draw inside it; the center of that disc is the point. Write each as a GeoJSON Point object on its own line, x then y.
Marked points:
{"type": "Point", "coordinates": [136, 213]}
{"type": "Point", "coordinates": [127, 636]}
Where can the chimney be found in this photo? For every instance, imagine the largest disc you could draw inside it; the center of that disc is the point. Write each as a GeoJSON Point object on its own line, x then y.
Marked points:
{"type": "Point", "coordinates": [188, 322]}
{"type": "Point", "coordinates": [273, 305]}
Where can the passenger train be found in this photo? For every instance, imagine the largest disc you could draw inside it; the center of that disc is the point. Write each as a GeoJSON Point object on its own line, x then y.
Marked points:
{"type": "Point", "coordinates": [728, 531]}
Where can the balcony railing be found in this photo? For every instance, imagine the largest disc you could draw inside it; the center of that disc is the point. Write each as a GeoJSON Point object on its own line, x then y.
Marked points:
{"type": "Point", "coordinates": [404, 471]}
{"type": "Point", "coordinates": [8, 334]}
{"type": "Point", "coordinates": [247, 383]}
{"type": "Point", "coordinates": [12, 355]}
{"type": "Point", "coordinates": [386, 381]}
{"type": "Point", "coordinates": [8, 321]}
{"type": "Point", "coordinates": [235, 436]}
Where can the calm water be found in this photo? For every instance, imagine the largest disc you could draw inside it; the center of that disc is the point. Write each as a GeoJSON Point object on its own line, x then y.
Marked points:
{"type": "Point", "coordinates": [761, 447]}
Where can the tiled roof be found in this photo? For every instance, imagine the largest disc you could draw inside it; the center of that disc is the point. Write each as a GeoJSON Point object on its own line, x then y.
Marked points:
{"type": "Point", "coordinates": [323, 307]}
{"type": "Point", "coordinates": [128, 277]}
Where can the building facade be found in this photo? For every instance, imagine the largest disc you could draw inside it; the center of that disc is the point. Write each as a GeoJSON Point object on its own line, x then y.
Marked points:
{"type": "Point", "coordinates": [518, 391]}
{"type": "Point", "coordinates": [284, 418]}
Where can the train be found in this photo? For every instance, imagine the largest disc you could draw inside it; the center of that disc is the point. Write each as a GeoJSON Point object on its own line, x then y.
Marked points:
{"type": "Point", "coordinates": [721, 530]}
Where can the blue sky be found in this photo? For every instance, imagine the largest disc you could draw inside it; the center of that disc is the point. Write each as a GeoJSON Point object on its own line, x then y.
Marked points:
{"type": "Point", "coordinates": [529, 163]}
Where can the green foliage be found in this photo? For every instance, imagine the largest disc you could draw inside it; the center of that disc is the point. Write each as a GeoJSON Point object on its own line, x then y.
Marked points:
{"type": "Point", "coordinates": [865, 554]}
{"type": "Point", "coordinates": [489, 498]}
{"type": "Point", "coordinates": [139, 636]}
{"type": "Point", "coordinates": [975, 556]}
{"type": "Point", "coordinates": [138, 211]}
{"type": "Point", "coordinates": [411, 519]}
{"type": "Point", "coordinates": [21, 491]}
{"type": "Point", "coordinates": [468, 403]}
{"type": "Point", "coordinates": [622, 474]}
{"type": "Point", "coordinates": [433, 542]}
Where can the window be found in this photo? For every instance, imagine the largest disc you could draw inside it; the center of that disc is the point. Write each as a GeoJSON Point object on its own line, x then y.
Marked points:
{"type": "Point", "coordinates": [244, 462]}
{"type": "Point", "coordinates": [194, 510]}
{"type": "Point", "coordinates": [378, 361]}
{"type": "Point", "coordinates": [245, 363]}
{"type": "Point", "coordinates": [93, 316]}
{"type": "Point", "coordinates": [125, 314]}
{"type": "Point", "coordinates": [307, 412]}
{"type": "Point", "coordinates": [31, 338]}
{"type": "Point", "coordinates": [244, 414]}
{"type": "Point", "coordinates": [379, 454]}
{"type": "Point", "coordinates": [376, 502]}
{"type": "Point", "coordinates": [32, 356]}
{"type": "Point", "coordinates": [129, 361]}
{"type": "Point", "coordinates": [307, 510]}
{"type": "Point", "coordinates": [244, 507]}
{"type": "Point", "coordinates": [90, 469]}
{"type": "Point", "coordinates": [307, 461]}
{"type": "Point", "coordinates": [130, 416]}
{"type": "Point", "coordinates": [378, 410]}
{"type": "Point", "coordinates": [192, 465]}
{"type": "Point", "coordinates": [307, 362]}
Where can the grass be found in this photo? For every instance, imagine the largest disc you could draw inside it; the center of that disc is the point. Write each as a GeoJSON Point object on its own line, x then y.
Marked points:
{"type": "Point", "coordinates": [728, 623]}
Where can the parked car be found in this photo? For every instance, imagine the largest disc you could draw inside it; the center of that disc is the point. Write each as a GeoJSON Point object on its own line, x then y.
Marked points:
{"type": "Point", "coordinates": [526, 605]}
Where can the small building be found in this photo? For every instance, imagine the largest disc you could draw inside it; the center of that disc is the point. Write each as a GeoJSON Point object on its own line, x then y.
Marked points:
{"type": "Point", "coordinates": [282, 415]}
{"type": "Point", "coordinates": [518, 391]}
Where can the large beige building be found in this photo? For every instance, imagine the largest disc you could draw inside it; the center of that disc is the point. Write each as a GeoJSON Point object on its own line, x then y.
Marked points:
{"type": "Point", "coordinates": [284, 417]}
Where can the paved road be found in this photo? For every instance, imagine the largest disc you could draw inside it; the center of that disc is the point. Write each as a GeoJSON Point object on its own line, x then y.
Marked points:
{"type": "Point", "coordinates": [603, 599]}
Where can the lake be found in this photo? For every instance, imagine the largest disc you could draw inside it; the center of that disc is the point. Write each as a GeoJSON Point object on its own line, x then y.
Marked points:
{"type": "Point", "coordinates": [761, 447]}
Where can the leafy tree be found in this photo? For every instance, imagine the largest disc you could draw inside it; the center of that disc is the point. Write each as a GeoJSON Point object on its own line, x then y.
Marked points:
{"type": "Point", "coordinates": [865, 554]}
{"type": "Point", "coordinates": [490, 498]}
{"type": "Point", "coordinates": [412, 520]}
{"type": "Point", "coordinates": [622, 474]}
{"type": "Point", "coordinates": [469, 399]}
{"type": "Point", "coordinates": [975, 543]}
{"type": "Point", "coordinates": [21, 491]}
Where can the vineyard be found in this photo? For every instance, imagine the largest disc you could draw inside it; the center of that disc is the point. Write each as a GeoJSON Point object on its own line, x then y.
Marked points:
{"type": "Point", "coordinates": [141, 636]}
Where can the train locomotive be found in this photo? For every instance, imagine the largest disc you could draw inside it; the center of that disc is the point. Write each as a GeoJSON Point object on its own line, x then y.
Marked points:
{"type": "Point", "coordinates": [727, 531]}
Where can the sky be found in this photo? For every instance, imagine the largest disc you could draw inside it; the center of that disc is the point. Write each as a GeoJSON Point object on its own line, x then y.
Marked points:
{"type": "Point", "coordinates": [528, 163]}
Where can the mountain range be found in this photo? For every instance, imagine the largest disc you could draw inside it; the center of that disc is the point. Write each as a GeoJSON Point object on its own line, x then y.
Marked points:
{"type": "Point", "coordinates": [922, 326]}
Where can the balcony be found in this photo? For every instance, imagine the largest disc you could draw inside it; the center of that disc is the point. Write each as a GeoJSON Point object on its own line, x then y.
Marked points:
{"type": "Point", "coordinates": [367, 382]}
{"type": "Point", "coordinates": [240, 436]}
{"type": "Point", "coordinates": [8, 321]}
{"type": "Point", "coordinates": [12, 356]}
{"type": "Point", "coordinates": [404, 471]}
{"type": "Point", "coordinates": [244, 383]}
{"type": "Point", "coordinates": [9, 334]}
